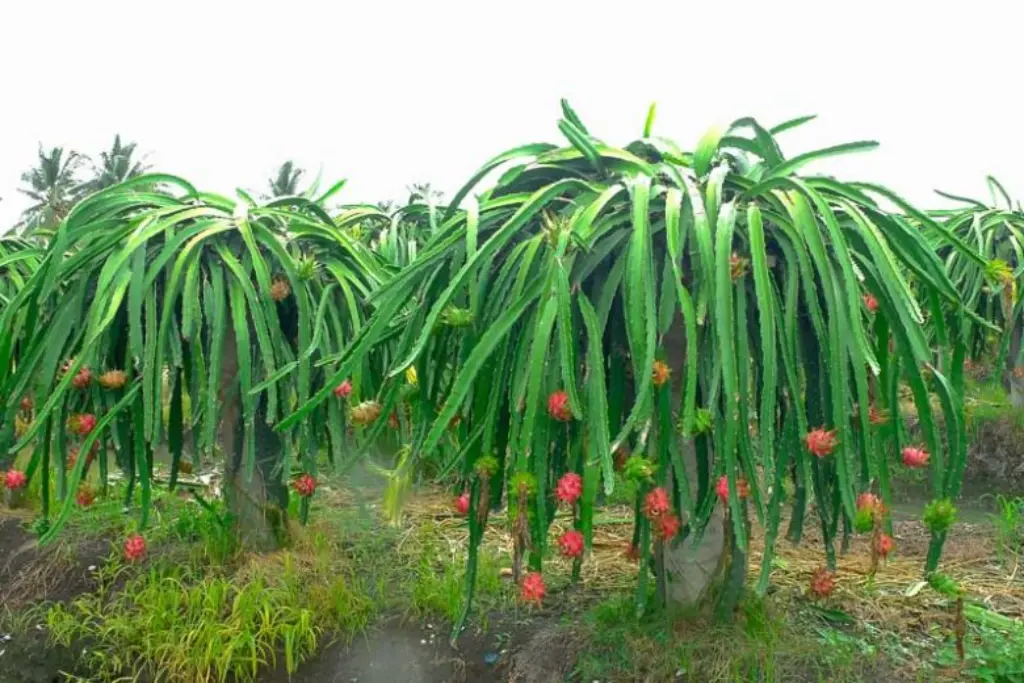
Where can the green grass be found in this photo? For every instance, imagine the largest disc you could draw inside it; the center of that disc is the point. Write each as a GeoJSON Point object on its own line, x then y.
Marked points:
{"type": "Point", "coordinates": [201, 609]}
{"type": "Point", "coordinates": [993, 655]}
{"type": "Point", "coordinates": [784, 639]}
{"type": "Point", "coordinates": [988, 401]}
{"type": "Point", "coordinates": [767, 642]}
{"type": "Point", "coordinates": [197, 621]}
{"type": "Point", "coordinates": [624, 492]}
{"type": "Point", "coordinates": [199, 629]}
{"type": "Point", "coordinates": [1008, 527]}
{"type": "Point", "coordinates": [17, 621]}
{"type": "Point", "coordinates": [418, 572]}
{"type": "Point", "coordinates": [433, 585]}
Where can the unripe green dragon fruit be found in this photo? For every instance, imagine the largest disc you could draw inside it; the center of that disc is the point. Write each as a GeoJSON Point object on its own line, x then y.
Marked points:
{"type": "Point", "coordinates": [308, 267]}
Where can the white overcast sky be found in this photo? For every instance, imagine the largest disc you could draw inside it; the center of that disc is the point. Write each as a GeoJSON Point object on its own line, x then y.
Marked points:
{"type": "Point", "coordinates": [388, 93]}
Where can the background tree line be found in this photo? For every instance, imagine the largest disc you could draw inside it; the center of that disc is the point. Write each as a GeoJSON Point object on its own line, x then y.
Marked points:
{"type": "Point", "coordinates": [62, 177]}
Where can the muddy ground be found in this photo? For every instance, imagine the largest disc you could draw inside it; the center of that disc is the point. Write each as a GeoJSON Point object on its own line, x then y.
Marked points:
{"type": "Point", "coordinates": [28, 575]}
{"type": "Point", "coordinates": [392, 652]}
{"type": "Point", "coordinates": [541, 650]}
{"type": "Point", "coordinates": [536, 648]}
{"type": "Point", "coordinates": [407, 652]}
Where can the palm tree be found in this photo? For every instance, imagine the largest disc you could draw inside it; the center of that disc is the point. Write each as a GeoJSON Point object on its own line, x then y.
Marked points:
{"type": "Point", "coordinates": [285, 182]}
{"type": "Point", "coordinates": [116, 166]}
{"type": "Point", "coordinates": [421, 210]}
{"type": "Point", "coordinates": [52, 186]}
{"type": "Point", "coordinates": [424, 193]}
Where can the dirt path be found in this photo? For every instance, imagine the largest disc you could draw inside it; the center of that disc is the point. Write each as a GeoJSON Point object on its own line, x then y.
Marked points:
{"type": "Point", "coordinates": [403, 653]}
{"type": "Point", "coordinates": [391, 654]}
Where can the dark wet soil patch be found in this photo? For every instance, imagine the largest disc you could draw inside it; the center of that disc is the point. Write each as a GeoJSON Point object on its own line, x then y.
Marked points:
{"type": "Point", "coordinates": [55, 573]}
{"type": "Point", "coordinates": [16, 549]}
{"type": "Point", "coordinates": [391, 653]}
{"type": "Point", "coordinates": [34, 576]}
{"type": "Point", "coordinates": [399, 652]}
{"type": "Point", "coordinates": [29, 657]}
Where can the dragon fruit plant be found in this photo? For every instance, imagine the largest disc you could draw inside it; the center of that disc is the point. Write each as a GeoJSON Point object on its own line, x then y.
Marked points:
{"type": "Point", "coordinates": [992, 287]}
{"type": "Point", "coordinates": [151, 294]}
{"type": "Point", "coordinates": [573, 266]}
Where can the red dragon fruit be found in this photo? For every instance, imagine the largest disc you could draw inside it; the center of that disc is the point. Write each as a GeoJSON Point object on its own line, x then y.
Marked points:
{"type": "Point", "coordinates": [570, 544]}
{"type": "Point", "coordinates": [869, 501]}
{"type": "Point", "coordinates": [667, 527]}
{"type": "Point", "coordinates": [632, 553]}
{"type": "Point", "coordinates": [82, 379]}
{"type": "Point", "coordinates": [532, 588]}
{"type": "Point", "coordinates": [660, 373]}
{"type": "Point", "coordinates": [823, 582]}
{"type": "Point", "coordinates": [877, 416]}
{"type": "Point", "coordinates": [656, 503]}
{"type": "Point", "coordinates": [915, 457]}
{"type": "Point", "coordinates": [569, 488]}
{"type": "Point", "coordinates": [884, 545]}
{"type": "Point", "coordinates": [85, 496]}
{"type": "Point", "coordinates": [461, 504]}
{"type": "Point", "coordinates": [15, 479]}
{"type": "Point", "coordinates": [558, 406]}
{"type": "Point", "coordinates": [134, 548]}
{"type": "Point", "coordinates": [89, 459]}
{"type": "Point", "coordinates": [821, 442]}
{"type": "Point", "coordinates": [83, 424]}
{"type": "Point", "coordinates": [305, 485]}
{"type": "Point", "coordinates": [343, 390]}
{"type": "Point", "coordinates": [722, 488]}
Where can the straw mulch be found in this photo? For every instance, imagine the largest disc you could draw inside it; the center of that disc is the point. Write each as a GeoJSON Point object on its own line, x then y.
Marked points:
{"type": "Point", "coordinates": [606, 568]}
{"type": "Point", "coordinates": [894, 596]}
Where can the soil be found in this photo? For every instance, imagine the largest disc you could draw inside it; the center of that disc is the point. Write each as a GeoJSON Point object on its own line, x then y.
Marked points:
{"type": "Point", "coordinates": [995, 455]}
{"type": "Point", "coordinates": [398, 652]}
{"type": "Point", "coordinates": [55, 573]}
{"type": "Point", "coordinates": [30, 657]}
{"type": "Point", "coordinates": [541, 649]}
{"type": "Point", "coordinates": [393, 652]}
{"type": "Point", "coordinates": [14, 542]}
{"type": "Point", "coordinates": [33, 575]}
